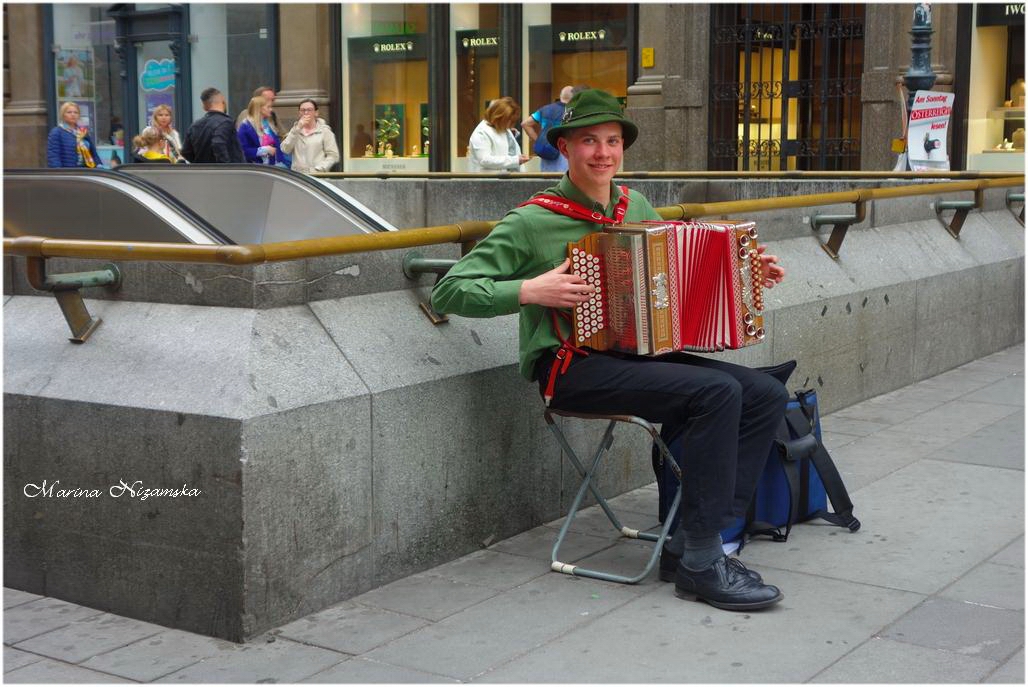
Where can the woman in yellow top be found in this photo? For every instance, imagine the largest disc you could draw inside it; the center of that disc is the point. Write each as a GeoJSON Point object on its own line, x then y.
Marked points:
{"type": "Point", "coordinates": [149, 146]}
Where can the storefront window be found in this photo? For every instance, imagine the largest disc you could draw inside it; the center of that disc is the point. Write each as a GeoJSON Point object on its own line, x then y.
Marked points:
{"type": "Point", "coordinates": [86, 70]}
{"type": "Point", "coordinates": [385, 50]}
{"type": "Point", "coordinates": [233, 50]}
{"type": "Point", "coordinates": [575, 45]}
{"type": "Point", "coordinates": [476, 69]}
{"type": "Point", "coordinates": [995, 132]}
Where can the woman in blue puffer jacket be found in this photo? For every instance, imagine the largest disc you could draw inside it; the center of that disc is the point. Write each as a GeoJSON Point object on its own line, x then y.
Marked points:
{"type": "Point", "coordinates": [257, 135]}
{"type": "Point", "coordinates": [69, 145]}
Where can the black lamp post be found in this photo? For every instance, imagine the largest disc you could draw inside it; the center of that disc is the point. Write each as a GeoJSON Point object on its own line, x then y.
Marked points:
{"type": "Point", "coordinates": [920, 76]}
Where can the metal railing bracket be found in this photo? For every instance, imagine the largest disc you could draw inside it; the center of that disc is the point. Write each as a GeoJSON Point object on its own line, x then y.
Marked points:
{"type": "Point", "coordinates": [65, 288]}
{"type": "Point", "coordinates": [414, 264]}
{"type": "Point", "coordinates": [840, 224]}
{"type": "Point", "coordinates": [961, 208]}
{"type": "Point", "coordinates": [1016, 198]}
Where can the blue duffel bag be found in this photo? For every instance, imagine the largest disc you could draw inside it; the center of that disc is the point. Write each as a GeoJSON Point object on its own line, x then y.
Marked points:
{"type": "Point", "coordinates": [798, 480]}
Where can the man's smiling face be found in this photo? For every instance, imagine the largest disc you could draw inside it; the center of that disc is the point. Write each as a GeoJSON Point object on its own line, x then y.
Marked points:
{"type": "Point", "coordinates": [594, 153]}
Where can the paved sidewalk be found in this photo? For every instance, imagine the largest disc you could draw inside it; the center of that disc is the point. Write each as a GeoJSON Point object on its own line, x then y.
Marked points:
{"type": "Point", "coordinates": [931, 589]}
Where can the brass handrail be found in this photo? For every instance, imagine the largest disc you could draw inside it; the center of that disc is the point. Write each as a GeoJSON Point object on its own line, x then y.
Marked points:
{"type": "Point", "coordinates": [464, 232]}
{"type": "Point", "coordinates": [698, 174]}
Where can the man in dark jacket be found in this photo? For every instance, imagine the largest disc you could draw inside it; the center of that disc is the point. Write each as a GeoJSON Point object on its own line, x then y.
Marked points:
{"type": "Point", "coordinates": [212, 138]}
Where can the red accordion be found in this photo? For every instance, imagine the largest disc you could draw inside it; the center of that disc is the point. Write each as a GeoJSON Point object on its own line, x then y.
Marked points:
{"type": "Point", "coordinates": [669, 286]}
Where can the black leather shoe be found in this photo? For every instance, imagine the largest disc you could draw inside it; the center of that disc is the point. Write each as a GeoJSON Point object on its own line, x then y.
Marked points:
{"type": "Point", "coordinates": [669, 566]}
{"type": "Point", "coordinates": [723, 586]}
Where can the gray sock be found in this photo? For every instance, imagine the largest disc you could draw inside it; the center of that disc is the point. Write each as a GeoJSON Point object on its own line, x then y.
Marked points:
{"type": "Point", "coordinates": [675, 545]}
{"type": "Point", "coordinates": [699, 551]}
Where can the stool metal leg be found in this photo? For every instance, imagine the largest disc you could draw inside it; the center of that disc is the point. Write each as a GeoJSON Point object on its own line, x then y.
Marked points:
{"type": "Point", "coordinates": [587, 484]}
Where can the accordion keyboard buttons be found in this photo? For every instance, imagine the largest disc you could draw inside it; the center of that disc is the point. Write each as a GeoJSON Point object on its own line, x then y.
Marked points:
{"type": "Point", "coordinates": [589, 315]}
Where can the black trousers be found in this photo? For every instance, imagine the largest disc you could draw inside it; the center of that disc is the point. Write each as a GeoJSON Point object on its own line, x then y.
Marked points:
{"type": "Point", "coordinates": [728, 415]}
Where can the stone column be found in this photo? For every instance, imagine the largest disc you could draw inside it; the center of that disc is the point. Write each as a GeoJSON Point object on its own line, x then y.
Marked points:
{"type": "Point", "coordinates": [25, 113]}
{"type": "Point", "coordinates": [305, 39]}
{"type": "Point", "coordinates": [645, 102]}
{"type": "Point", "coordinates": [670, 100]}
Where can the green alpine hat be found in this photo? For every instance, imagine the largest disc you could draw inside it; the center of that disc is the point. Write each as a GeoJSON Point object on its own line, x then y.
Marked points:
{"type": "Point", "coordinates": [589, 108]}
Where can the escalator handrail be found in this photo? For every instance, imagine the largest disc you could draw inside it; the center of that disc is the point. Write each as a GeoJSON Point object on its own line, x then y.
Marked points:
{"type": "Point", "coordinates": [305, 180]}
{"type": "Point", "coordinates": [140, 184]}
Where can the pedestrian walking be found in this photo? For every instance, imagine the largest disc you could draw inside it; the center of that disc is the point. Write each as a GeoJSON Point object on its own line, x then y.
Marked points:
{"type": "Point", "coordinates": [68, 144]}
{"type": "Point", "coordinates": [493, 146]}
{"type": "Point", "coordinates": [212, 138]}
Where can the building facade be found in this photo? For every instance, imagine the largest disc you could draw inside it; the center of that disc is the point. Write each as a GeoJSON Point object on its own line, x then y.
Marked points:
{"type": "Point", "coordinates": [762, 87]}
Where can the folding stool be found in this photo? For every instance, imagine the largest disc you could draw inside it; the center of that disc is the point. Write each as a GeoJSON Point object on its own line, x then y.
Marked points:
{"type": "Point", "coordinates": [587, 484]}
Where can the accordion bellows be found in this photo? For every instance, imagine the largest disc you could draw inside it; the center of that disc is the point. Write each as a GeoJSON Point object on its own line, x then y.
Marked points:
{"type": "Point", "coordinates": [669, 286]}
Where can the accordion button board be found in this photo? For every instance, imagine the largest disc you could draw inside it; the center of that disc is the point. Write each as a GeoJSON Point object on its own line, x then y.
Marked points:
{"type": "Point", "coordinates": [669, 286]}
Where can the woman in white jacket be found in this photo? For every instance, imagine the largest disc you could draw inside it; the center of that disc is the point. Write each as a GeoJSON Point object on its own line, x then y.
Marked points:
{"type": "Point", "coordinates": [492, 146]}
{"type": "Point", "coordinates": [310, 141]}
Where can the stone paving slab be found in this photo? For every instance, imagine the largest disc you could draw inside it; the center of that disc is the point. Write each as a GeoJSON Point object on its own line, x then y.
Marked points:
{"type": "Point", "coordinates": [594, 521]}
{"type": "Point", "coordinates": [159, 655]}
{"type": "Point", "coordinates": [897, 406]}
{"type": "Point", "coordinates": [885, 661]}
{"type": "Point", "coordinates": [869, 459]}
{"type": "Point", "coordinates": [1011, 555]}
{"type": "Point", "coordinates": [660, 638]}
{"type": "Point", "coordinates": [364, 671]}
{"type": "Point", "coordinates": [43, 615]}
{"type": "Point", "coordinates": [491, 633]}
{"type": "Point", "coordinates": [425, 596]}
{"type": "Point", "coordinates": [350, 628]}
{"type": "Point", "coordinates": [86, 638]}
{"type": "Point", "coordinates": [627, 557]}
{"type": "Point", "coordinates": [1011, 672]}
{"type": "Point", "coordinates": [922, 527]}
{"type": "Point", "coordinates": [1000, 444]}
{"type": "Point", "coordinates": [49, 671]}
{"type": "Point", "coordinates": [990, 585]}
{"type": "Point", "coordinates": [853, 426]}
{"type": "Point", "coordinates": [965, 380]}
{"type": "Point", "coordinates": [538, 543]}
{"type": "Point", "coordinates": [16, 658]}
{"type": "Point", "coordinates": [836, 440]}
{"type": "Point", "coordinates": [967, 629]}
{"type": "Point", "coordinates": [258, 661]}
{"type": "Point", "coordinates": [1009, 391]}
{"type": "Point", "coordinates": [954, 420]}
{"type": "Point", "coordinates": [16, 597]}
{"type": "Point", "coordinates": [642, 500]}
{"type": "Point", "coordinates": [493, 569]}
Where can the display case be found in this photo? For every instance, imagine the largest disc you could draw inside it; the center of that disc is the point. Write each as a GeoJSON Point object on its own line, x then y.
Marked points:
{"type": "Point", "coordinates": [1004, 151]}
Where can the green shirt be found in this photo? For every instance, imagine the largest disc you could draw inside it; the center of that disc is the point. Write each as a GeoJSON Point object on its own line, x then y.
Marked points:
{"type": "Point", "coordinates": [528, 241]}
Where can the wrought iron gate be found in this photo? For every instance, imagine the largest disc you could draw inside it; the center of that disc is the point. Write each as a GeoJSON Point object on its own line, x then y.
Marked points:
{"type": "Point", "coordinates": [785, 86]}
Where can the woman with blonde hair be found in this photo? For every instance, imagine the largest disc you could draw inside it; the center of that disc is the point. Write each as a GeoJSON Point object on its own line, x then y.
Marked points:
{"type": "Point", "coordinates": [160, 124]}
{"type": "Point", "coordinates": [68, 144]}
{"type": "Point", "coordinates": [150, 145]}
{"type": "Point", "coordinates": [492, 146]}
{"type": "Point", "coordinates": [257, 136]}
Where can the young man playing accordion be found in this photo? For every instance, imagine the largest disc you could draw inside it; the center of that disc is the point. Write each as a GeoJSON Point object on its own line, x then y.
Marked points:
{"type": "Point", "coordinates": [727, 413]}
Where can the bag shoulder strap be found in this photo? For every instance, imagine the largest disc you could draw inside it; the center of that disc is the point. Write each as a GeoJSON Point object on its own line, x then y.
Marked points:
{"type": "Point", "coordinates": [837, 494]}
{"type": "Point", "coordinates": [826, 469]}
{"type": "Point", "coordinates": [800, 422]}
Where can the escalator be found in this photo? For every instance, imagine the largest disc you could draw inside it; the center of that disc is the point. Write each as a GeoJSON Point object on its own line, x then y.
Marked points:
{"type": "Point", "coordinates": [201, 204]}
{"type": "Point", "coordinates": [260, 204]}
{"type": "Point", "coordinates": [99, 204]}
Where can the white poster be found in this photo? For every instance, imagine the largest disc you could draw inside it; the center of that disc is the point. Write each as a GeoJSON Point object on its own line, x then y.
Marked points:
{"type": "Point", "coordinates": [926, 132]}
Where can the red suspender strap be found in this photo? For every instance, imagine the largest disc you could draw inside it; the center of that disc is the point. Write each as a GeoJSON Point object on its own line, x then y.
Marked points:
{"type": "Point", "coordinates": [569, 208]}
{"type": "Point", "coordinates": [563, 356]}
